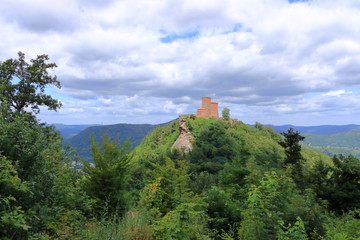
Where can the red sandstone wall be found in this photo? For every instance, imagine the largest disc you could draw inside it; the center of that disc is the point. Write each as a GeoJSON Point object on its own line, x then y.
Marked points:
{"type": "Point", "coordinates": [206, 103]}
{"type": "Point", "coordinates": [214, 110]}
{"type": "Point", "coordinates": [201, 112]}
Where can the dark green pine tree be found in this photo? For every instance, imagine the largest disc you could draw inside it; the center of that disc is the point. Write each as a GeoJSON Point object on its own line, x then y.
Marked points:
{"type": "Point", "coordinates": [294, 159]}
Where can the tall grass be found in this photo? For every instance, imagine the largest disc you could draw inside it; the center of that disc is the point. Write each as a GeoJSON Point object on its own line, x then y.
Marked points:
{"type": "Point", "coordinates": [133, 226]}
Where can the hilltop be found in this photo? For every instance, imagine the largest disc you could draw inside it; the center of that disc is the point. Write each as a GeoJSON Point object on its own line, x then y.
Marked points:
{"type": "Point", "coordinates": [217, 142]}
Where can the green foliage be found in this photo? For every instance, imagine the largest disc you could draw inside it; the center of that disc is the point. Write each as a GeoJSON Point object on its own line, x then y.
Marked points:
{"type": "Point", "coordinates": [12, 218]}
{"type": "Point", "coordinates": [213, 148]}
{"type": "Point", "coordinates": [22, 84]}
{"type": "Point", "coordinates": [186, 222]}
{"type": "Point", "coordinates": [37, 155]}
{"type": "Point", "coordinates": [116, 132]}
{"type": "Point", "coordinates": [274, 202]}
{"type": "Point", "coordinates": [223, 210]}
{"type": "Point", "coordinates": [262, 214]}
{"type": "Point", "coordinates": [168, 186]}
{"type": "Point", "coordinates": [339, 184]}
{"type": "Point", "coordinates": [226, 113]}
{"type": "Point", "coordinates": [106, 180]}
{"type": "Point", "coordinates": [291, 144]}
{"type": "Point", "coordinates": [292, 232]}
{"type": "Point", "coordinates": [346, 227]}
{"type": "Point", "coordinates": [294, 159]}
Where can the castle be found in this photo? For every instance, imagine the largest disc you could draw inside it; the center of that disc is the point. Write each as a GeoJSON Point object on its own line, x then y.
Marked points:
{"type": "Point", "coordinates": [208, 109]}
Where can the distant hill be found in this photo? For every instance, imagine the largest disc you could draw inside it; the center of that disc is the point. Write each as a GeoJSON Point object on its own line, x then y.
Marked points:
{"type": "Point", "coordinates": [118, 132]}
{"type": "Point", "coordinates": [68, 131]}
{"type": "Point", "coordinates": [344, 143]}
{"type": "Point", "coordinates": [329, 139]}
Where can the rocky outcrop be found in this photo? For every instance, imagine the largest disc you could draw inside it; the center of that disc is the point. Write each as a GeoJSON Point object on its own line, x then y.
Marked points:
{"type": "Point", "coordinates": [184, 143]}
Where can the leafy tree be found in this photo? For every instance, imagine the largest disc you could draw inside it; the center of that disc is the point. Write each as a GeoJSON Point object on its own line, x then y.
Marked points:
{"type": "Point", "coordinates": [294, 159]}
{"type": "Point", "coordinates": [106, 179]}
{"type": "Point", "coordinates": [226, 113]}
{"type": "Point", "coordinates": [186, 221]}
{"type": "Point", "coordinates": [22, 84]}
{"type": "Point", "coordinates": [12, 218]}
{"type": "Point", "coordinates": [346, 227]}
{"type": "Point", "coordinates": [35, 154]}
{"type": "Point", "coordinates": [223, 209]}
{"type": "Point", "coordinates": [292, 232]}
{"type": "Point", "coordinates": [346, 178]}
{"type": "Point", "coordinates": [213, 148]}
{"type": "Point", "coordinates": [168, 186]}
{"type": "Point", "coordinates": [275, 202]}
{"type": "Point", "coordinates": [338, 184]}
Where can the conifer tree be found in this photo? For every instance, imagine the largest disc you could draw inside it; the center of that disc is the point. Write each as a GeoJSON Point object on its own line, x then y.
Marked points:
{"type": "Point", "coordinates": [294, 159]}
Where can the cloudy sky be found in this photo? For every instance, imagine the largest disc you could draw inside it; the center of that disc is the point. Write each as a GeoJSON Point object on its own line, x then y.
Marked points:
{"type": "Point", "coordinates": [148, 61]}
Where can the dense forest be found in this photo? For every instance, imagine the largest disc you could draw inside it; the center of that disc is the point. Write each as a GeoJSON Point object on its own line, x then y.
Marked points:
{"type": "Point", "coordinates": [238, 182]}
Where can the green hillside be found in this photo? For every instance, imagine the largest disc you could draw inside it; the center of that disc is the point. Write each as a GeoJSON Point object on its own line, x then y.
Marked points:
{"type": "Point", "coordinates": [349, 139]}
{"type": "Point", "coordinates": [259, 143]}
{"type": "Point", "coordinates": [345, 143]}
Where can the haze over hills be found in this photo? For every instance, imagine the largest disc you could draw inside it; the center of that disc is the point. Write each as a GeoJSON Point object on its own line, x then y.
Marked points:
{"type": "Point", "coordinates": [318, 130]}
{"type": "Point", "coordinates": [329, 139]}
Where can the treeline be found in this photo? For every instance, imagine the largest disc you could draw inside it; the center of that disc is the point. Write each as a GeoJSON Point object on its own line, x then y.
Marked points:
{"type": "Point", "coordinates": [239, 182]}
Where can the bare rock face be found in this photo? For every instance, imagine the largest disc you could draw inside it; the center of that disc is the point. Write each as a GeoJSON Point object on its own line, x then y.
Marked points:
{"type": "Point", "coordinates": [184, 143]}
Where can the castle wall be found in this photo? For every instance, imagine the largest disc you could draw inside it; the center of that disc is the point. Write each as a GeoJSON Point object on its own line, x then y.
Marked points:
{"type": "Point", "coordinates": [214, 110]}
{"type": "Point", "coordinates": [208, 108]}
{"type": "Point", "coordinates": [201, 112]}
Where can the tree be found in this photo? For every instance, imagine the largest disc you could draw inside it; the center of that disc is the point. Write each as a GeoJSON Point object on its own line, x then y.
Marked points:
{"type": "Point", "coordinates": [226, 113]}
{"type": "Point", "coordinates": [338, 183]}
{"type": "Point", "coordinates": [12, 218]}
{"type": "Point", "coordinates": [31, 154]}
{"type": "Point", "coordinates": [294, 159]}
{"type": "Point", "coordinates": [105, 179]}
{"type": "Point", "coordinates": [22, 84]}
{"type": "Point", "coordinates": [273, 204]}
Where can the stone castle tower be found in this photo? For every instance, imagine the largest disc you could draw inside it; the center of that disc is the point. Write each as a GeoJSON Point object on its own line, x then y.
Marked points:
{"type": "Point", "coordinates": [208, 109]}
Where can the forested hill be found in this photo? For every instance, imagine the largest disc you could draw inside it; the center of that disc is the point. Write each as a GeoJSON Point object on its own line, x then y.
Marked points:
{"type": "Point", "coordinates": [118, 132]}
{"type": "Point", "coordinates": [218, 141]}
{"type": "Point", "coordinates": [329, 139]}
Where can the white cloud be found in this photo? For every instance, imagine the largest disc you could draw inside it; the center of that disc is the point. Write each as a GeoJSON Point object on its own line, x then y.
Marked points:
{"type": "Point", "coordinates": [335, 93]}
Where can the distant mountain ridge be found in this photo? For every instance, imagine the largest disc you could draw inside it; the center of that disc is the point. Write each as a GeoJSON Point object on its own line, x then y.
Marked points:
{"type": "Point", "coordinates": [68, 131]}
{"type": "Point", "coordinates": [317, 130]}
{"type": "Point", "coordinates": [329, 139]}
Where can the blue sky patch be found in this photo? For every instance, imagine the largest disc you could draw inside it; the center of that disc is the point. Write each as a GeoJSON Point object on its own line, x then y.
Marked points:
{"type": "Point", "coordinates": [173, 37]}
{"type": "Point", "coordinates": [295, 1]}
